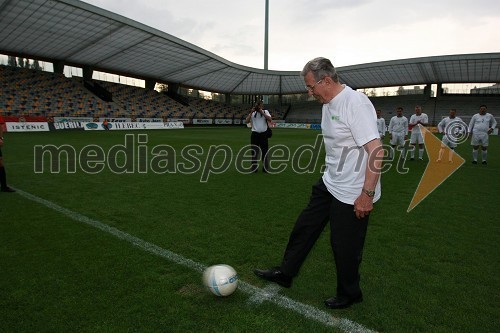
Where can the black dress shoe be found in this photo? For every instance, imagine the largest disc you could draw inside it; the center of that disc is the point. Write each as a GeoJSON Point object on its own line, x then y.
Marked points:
{"type": "Point", "coordinates": [341, 302]}
{"type": "Point", "coordinates": [7, 189]}
{"type": "Point", "coordinates": [274, 275]}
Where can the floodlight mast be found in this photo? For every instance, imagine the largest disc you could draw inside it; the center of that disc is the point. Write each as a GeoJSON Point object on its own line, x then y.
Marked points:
{"type": "Point", "coordinates": [266, 43]}
{"type": "Point", "coordinates": [266, 37]}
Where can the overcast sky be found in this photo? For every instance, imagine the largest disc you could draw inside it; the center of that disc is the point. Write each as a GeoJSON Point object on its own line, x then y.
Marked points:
{"type": "Point", "coordinates": [349, 32]}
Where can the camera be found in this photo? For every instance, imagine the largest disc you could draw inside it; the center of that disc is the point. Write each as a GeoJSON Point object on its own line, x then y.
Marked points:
{"type": "Point", "coordinates": [257, 106]}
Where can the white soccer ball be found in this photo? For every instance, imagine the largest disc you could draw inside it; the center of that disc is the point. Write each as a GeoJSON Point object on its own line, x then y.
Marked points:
{"type": "Point", "coordinates": [221, 280]}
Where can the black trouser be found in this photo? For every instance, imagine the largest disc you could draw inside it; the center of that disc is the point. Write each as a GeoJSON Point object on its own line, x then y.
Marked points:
{"type": "Point", "coordinates": [347, 237]}
{"type": "Point", "coordinates": [3, 177]}
{"type": "Point", "coordinates": [260, 142]}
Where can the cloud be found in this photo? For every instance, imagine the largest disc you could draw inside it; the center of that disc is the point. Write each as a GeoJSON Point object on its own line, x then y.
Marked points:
{"type": "Point", "coordinates": [348, 32]}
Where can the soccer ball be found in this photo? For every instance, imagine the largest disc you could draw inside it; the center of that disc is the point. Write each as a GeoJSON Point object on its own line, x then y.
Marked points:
{"type": "Point", "coordinates": [221, 280]}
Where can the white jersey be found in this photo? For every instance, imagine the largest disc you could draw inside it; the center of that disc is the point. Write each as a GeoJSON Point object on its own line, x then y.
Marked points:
{"type": "Point", "coordinates": [382, 128]}
{"type": "Point", "coordinates": [482, 123]}
{"type": "Point", "coordinates": [414, 119]}
{"type": "Point", "coordinates": [456, 123]}
{"type": "Point", "coordinates": [398, 125]}
{"type": "Point", "coordinates": [348, 122]}
{"type": "Point", "coordinates": [259, 122]}
{"type": "Point", "coordinates": [452, 128]}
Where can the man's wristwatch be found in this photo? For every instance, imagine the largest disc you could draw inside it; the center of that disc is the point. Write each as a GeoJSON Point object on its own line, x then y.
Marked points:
{"type": "Point", "coordinates": [371, 194]}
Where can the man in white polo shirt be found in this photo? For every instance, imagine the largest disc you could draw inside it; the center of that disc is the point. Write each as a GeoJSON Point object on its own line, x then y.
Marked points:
{"type": "Point", "coordinates": [344, 196]}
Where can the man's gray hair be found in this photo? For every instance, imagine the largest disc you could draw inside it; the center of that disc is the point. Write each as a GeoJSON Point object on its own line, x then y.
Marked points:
{"type": "Point", "coordinates": [320, 68]}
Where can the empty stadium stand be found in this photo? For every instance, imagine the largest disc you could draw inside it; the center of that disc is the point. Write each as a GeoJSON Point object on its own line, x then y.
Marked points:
{"type": "Point", "coordinates": [27, 92]}
{"type": "Point", "coordinates": [435, 107]}
{"type": "Point", "coordinates": [34, 93]}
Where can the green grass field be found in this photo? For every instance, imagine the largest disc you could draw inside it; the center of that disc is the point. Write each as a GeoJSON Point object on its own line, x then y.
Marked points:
{"type": "Point", "coordinates": [435, 269]}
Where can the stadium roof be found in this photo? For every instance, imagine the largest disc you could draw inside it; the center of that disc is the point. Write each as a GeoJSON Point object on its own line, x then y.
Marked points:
{"type": "Point", "coordinates": [80, 34]}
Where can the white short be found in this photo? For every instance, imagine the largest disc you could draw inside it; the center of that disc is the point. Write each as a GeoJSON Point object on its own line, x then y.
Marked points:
{"type": "Point", "coordinates": [416, 137]}
{"type": "Point", "coordinates": [398, 139]}
{"type": "Point", "coordinates": [447, 142]}
{"type": "Point", "coordinates": [479, 139]}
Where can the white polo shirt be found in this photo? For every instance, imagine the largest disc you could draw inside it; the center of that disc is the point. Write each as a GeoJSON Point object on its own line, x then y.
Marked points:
{"type": "Point", "coordinates": [259, 122]}
{"type": "Point", "coordinates": [348, 122]}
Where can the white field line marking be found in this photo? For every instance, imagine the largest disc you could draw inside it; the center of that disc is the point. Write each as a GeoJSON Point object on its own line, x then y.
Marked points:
{"type": "Point", "coordinates": [258, 295]}
{"type": "Point", "coordinates": [264, 294]}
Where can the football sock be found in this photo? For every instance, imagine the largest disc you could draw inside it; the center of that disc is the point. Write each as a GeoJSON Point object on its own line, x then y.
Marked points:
{"type": "Point", "coordinates": [474, 154]}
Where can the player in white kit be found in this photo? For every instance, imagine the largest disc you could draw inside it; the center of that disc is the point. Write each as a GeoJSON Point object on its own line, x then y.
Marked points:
{"type": "Point", "coordinates": [481, 125]}
{"type": "Point", "coordinates": [451, 127]}
{"type": "Point", "coordinates": [398, 132]}
{"type": "Point", "coordinates": [381, 126]}
{"type": "Point", "coordinates": [416, 134]}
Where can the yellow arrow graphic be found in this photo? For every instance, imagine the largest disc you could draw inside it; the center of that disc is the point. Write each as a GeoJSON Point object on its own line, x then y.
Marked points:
{"type": "Point", "coordinates": [436, 171]}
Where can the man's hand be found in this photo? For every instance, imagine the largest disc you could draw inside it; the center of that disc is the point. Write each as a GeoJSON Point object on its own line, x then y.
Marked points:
{"type": "Point", "coordinates": [363, 205]}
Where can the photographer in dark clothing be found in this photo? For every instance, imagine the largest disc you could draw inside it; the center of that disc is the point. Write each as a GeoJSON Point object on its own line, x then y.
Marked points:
{"type": "Point", "coordinates": [259, 139]}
